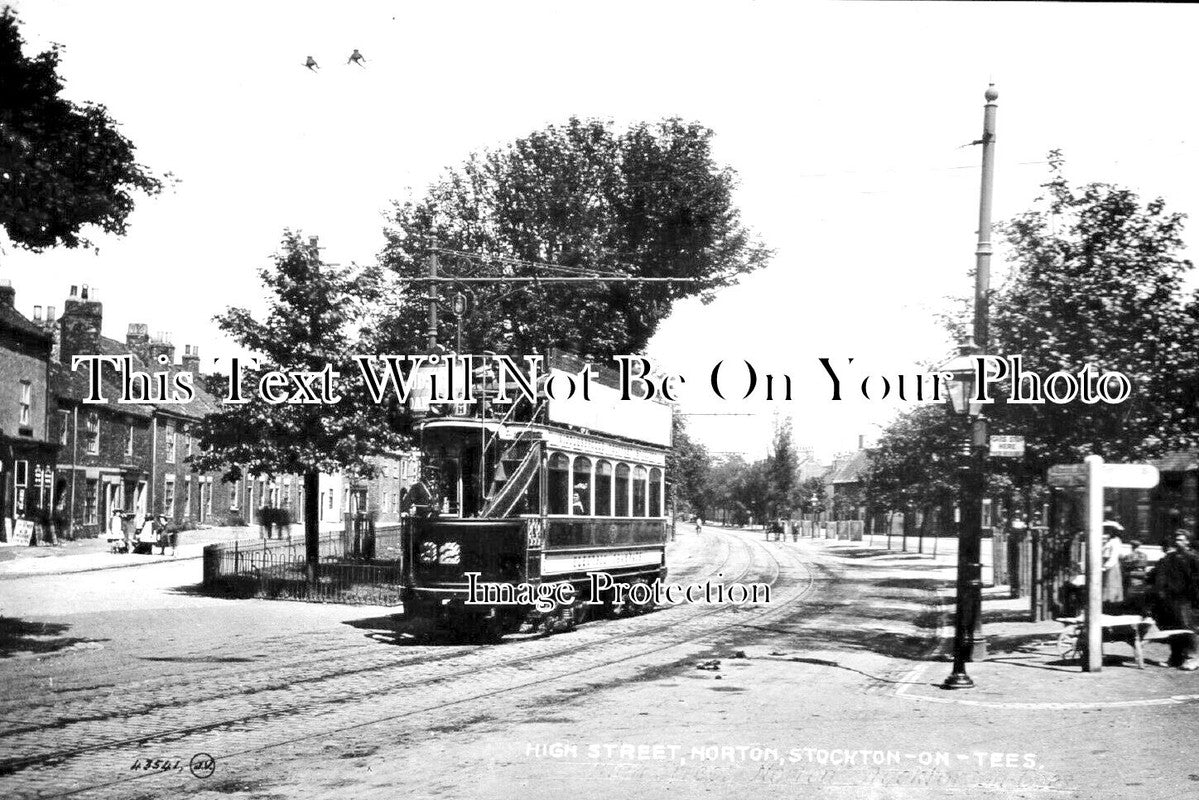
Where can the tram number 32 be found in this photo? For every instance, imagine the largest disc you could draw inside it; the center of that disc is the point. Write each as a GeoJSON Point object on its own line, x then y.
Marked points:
{"type": "Point", "coordinates": [448, 553]}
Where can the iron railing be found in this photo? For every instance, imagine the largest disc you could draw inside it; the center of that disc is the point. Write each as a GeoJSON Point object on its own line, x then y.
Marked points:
{"type": "Point", "coordinates": [361, 565]}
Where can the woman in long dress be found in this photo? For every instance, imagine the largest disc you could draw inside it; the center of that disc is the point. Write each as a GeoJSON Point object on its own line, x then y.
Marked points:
{"type": "Point", "coordinates": [1113, 578]}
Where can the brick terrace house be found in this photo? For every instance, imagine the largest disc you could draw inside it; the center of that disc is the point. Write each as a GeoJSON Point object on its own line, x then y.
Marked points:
{"type": "Point", "coordinates": [134, 457]}
{"type": "Point", "coordinates": [27, 450]}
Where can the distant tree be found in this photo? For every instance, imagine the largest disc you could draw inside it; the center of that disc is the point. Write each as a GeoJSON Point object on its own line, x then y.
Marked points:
{"type": "Point", "coordinates": [916, 461]}
{"type": "Point", "coordinates": [62, 165]}
{"type": "Point", "coordinates": [689, 466]}
{"type": "Point", "coordinates": [752, 490]}
{"type": "Point", "coordinates": [1098, 278]}
{"type": "Point", "coordinates": [306, 327]}
{"type": "Point", "coordinates": [650, 201]}
{"type": "Point", "coordinates": [782, 470]}
{"type": "Point", "coordinates": [812, 495]}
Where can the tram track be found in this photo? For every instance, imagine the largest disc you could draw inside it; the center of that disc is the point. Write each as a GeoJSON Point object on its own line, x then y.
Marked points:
{"type": "Point", "coordinates": [356, 707]}
{"type": "Point", "coordinates": [200, 685]}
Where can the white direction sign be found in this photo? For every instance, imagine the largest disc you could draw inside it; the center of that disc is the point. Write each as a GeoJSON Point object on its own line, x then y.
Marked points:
{"type": "Point", "coordinates": [1128, 476]}
{"type": "Point", "coordinates": [1007, 446]}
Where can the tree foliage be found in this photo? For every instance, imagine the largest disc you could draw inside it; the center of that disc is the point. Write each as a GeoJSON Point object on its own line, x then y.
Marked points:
{"type": "Point", "coordinates": [63, 165]}
{"type": "Point", "coordinates": [916, 459]}
{"type": "Point", "coordinates": [689, 465]}
{"type": "Point", "coordinates": [782, 471]}
{"type": "Point", "coordinates": [649, 201]}
{"type": "Point", "coordinates": [1098, 278]}
{"type": "Point", "coordinates": [306, 327]}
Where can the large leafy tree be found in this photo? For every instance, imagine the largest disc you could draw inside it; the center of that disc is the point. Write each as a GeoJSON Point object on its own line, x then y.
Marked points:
{"type": "Point", "coordinates": [63, 165]}
{"type": "Point", "coordinates": [307, 327]}
{"type": "Point", "coordinates": [649, 201]}
{"type": "Point", "coordinates": [1098, 278]}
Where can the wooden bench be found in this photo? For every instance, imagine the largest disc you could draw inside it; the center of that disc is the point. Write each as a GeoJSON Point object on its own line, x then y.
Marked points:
{"type": "Point", "coordinates": [1129, 628]}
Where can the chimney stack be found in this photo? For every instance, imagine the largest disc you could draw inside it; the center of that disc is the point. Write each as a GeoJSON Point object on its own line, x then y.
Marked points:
{"type": "Point", "coordinates": [8, 295]}
{"type": "Point", "coordinates": [82, 317]}
{"type": "Point", "coordinates": [137, 339]}
{"type": "Point", "coordinates": [191, 358]}
{"type": "Point", "coordinates": [161, 346]}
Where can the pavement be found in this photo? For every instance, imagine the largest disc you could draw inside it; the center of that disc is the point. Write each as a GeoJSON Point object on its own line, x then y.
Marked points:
{"type": "Point", "coordinates": [86, 555]}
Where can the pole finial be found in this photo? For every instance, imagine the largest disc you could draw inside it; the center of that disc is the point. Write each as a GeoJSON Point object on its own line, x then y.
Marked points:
{"type": "Point", "coordinates": [992, 93]}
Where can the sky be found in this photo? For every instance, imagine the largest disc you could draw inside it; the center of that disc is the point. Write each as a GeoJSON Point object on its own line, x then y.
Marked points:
{"type": "Point", "coordinates": [849, 125]}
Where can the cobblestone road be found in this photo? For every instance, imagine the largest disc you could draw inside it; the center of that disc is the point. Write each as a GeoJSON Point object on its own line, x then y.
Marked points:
{"type": "Point", "coordinates": [192, 675]}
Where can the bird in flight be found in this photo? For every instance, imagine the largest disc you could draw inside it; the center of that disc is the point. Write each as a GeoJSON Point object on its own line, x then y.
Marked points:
{"type": "Point", "coordinates": [356, 58]}
{"type": "Point", "coordinates": [311, 64]}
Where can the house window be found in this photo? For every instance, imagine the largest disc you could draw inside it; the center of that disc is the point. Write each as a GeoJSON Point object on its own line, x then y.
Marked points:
{"type": "Point", "coordinates": [233, 505]}
{"type": "Point", "coordinates": [171, 443]}
{"type": "Point", "coordinates": [187, 497]}
{"type": "Point", "coordinates": [129, 441]}
{"type": "Point", "coordinates": [168, 496]}
{"type": "Point", "coordinates": [187, 442]}
{"type": "Point", "coordinates": [329, 495]}
{"type": "Point", "coordinates": [22, 484]}
{"type": "Point", "coordinates": [93, 433]}
{"type": "Point", "coordinates": [26, 402]}
{"type": "Point", "coordinates": [42, 479]}
{"type": "Point", "coordinates": [91, 506]}
{"type": "Point", "coordinates": [64, 421]}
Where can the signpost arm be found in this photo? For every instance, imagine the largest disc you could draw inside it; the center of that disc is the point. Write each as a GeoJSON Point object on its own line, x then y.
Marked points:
{"type": "Point", "coordinates": [1094, 625]}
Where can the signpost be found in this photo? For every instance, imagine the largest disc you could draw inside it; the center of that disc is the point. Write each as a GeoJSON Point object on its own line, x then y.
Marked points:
{"type": "Point", "coordinates": [1095, 476]}
{"type": "Point", "coordinates": [1007, 446]}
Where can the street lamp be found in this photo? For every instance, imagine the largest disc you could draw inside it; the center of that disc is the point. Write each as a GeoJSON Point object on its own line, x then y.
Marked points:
{"type": "Point", "coordinates": [961, 377]}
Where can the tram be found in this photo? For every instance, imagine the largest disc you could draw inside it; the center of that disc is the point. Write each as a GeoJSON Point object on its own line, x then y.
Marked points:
{"type": "Point", "coordinates": [538, 497]}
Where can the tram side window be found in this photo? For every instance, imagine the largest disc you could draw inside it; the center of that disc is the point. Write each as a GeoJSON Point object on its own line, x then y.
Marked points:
{"type": "Point", "coordinates": [559, 484]}
{"type": "Point", "coordinates": [640, 479]}
{"type": "Point", "coordinates": [580, 503]}
{"type": "Point", "coordinates": [655, 492]}
{"type": "Point", "coordinates": [603, 489]}
{"type": "Point", "coordinates": [622, 490]}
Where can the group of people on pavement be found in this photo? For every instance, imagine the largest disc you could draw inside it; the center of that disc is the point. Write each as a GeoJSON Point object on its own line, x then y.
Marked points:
{"type": "Point", "coordinates": [1167, 591]}
{"type": "Point", "coordinates": [126, 535]}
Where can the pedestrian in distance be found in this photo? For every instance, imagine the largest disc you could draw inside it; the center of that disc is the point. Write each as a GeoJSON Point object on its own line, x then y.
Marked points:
{"type": "Point", "coordinates": [1133, 566]}
{"type": "Point", "coordinates": [356, 58]}
{"type": "Point", "coordinates": [1175, 581]}
{"type": "Point", "coordinates": [1113, 581]}
{"type": "Point", "coordinates": [312, 65]}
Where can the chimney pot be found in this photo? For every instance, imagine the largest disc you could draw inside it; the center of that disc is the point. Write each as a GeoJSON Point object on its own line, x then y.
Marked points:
{"type": "Point", "coordinates": [83, 292]}
{"type": "Point", "coordinates": [74, 290]}
{"type": "Point", "coordinates": [37, 313]}
{"type": "Point", "coordinates": [49, 313]}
